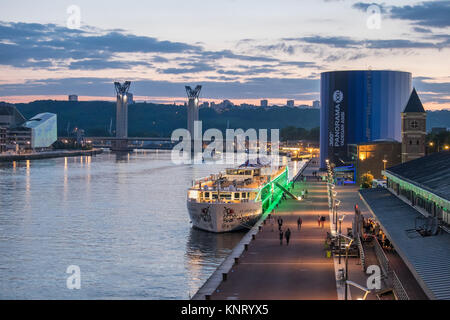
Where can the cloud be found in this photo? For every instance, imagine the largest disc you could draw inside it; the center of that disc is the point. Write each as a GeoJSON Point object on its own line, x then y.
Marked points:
{"type": "Point", "coordinates": [228, 54]}
{"type": "Point", "coordinates": [421, 30]}
{"type": "Point", "coordinates": [398, 44]}
{"type": "Point", "coordinates": [99, 64]}
{"type": "Point", "coordinates": [252, 88]}
{"type": "Point", "coordinates": [362, 6]}
{"type": "Point", "coordinates": [336, 42]}
{"type": "Point", "coordinates": [427, 84]}
{"type": "Point", "coordinates": [248, 72]}
{"type": "Point", "coordinates": [45, 45]}
{"type": "Point", "coordinates": [429, 13]}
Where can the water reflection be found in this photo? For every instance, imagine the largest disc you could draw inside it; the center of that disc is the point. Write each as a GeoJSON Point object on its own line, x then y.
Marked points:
{"type": "Point", "coordinates": [203, 250]}
{"type": "Point", "coordinates": [121, 217]}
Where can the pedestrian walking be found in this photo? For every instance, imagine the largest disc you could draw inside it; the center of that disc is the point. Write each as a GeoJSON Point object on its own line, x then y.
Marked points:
{"type": "Point", "coordinates": [288, 236]}
{"type": "Point", "coordinates": [280, 223]}
{"type": "Point", "coordinates": [318, 219]}
{"type": "Point", "coordinates": [299, 223]}
{"type": "Point", "coordinates": [322, 221]}
{"type": "Point", "coordinates": [281, 237]}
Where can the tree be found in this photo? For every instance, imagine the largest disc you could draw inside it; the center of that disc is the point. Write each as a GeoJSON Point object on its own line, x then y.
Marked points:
{"type": "Point", "coordinates": [366, 180]}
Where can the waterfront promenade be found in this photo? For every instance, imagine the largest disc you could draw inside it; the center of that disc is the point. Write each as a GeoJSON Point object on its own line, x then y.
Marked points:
{"type": "Point", "coordinates": [299, 271]}
{"type": "Point", "coordinates": [48, 154]}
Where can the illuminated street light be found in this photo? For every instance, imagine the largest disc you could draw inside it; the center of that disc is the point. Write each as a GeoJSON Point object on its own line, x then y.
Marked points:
{"type": "Point", "coordinates": [366, 291]}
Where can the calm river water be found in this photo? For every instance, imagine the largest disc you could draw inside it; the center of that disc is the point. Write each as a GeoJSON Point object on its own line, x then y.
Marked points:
{"type": "Point", "coordinates": [121, 218]}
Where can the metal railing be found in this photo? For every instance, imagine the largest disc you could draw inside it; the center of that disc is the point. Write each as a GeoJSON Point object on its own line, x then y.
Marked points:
{"type": "Point", "coordinates": [390, 274]}
{"type": "Point", "coordinates": [397, 286]}
{"type": "Point", "coordinates": [381, 257]}
{"type": "Point", "coordinates": [362, 255]}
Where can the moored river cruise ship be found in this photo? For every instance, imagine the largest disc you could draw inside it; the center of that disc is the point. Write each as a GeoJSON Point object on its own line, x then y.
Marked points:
{"type": "Point", "coordinates": [235, 198]}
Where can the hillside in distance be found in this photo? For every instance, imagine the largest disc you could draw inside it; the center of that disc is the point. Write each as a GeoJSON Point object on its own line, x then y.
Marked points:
{"type": "Point", "coordinates": [158, 120]}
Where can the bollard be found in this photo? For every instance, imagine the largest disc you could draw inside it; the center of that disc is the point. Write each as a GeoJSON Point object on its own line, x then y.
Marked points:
{"type": "Point", "coordinates": [260, 228]}
{"type": "Point", "coordinates": [253, 237]}
{"type": "Point", "coordinates": [236, 260]}
{"type": "Point", "coordinates": [246, 247]}
{"type": "Point", "coordinates": [224, 276]}
{"type": "Point", "coordinates": [264, 222]}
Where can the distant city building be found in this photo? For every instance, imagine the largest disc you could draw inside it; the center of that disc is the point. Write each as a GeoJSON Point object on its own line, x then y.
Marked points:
{"type": "Point", "coordinates": [264, 103]}
{"type": "Point", "coordinates": [10, 117]}
{"type": "Point", "coordinates": [414, 129]}
{"type": "Point", "coordinates": [2, 139]}
{"type": "Point", "coordinates": [226, 104]}
{"type": "Point", "coordinates": [246, 105]}
{"type": "Point", "coordinates": [38, 132]}
{"type": "Point", "coordinates": [316, 104]}
{"type": "Point", "coordinates": [73, 97]}
{"type": "Point", "coordinates": [290, 103]}
{"type": "Point", "coordinates": [374, 157]}
{"type": "Point", "coordinates": [43, 130]}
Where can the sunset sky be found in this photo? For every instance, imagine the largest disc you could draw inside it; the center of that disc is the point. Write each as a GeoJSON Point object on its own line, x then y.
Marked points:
{"type": "Point", "coordinates": [242, 50]}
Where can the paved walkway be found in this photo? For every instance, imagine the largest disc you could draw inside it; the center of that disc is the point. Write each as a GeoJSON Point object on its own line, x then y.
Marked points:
{"type": "Point", "coordinates": [301, 270]}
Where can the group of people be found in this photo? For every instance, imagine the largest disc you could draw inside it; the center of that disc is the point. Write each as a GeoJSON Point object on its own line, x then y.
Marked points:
{"type": "Point", "coordinates": [316, 175]}
{"type": "Point", "coordinates": [372, 230]}
{"type": "Point", "coordinates": [284, 234]}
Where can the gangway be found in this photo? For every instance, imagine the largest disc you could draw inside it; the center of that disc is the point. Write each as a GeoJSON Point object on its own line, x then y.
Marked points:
{"type": "Point", "coordinates": [287, 191]}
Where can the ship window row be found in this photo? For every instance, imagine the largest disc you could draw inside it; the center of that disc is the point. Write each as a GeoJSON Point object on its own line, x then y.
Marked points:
{"type": "Point", "coordinates": [236, 195]}
{"type": "Point", "coordinates": [242, 172]}
{"type": "Point", "coordinates": [225, 196]}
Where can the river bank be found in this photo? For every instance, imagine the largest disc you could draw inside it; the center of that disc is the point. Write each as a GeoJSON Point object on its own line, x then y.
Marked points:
{"type": "Point", "coordinates": [48, 155]}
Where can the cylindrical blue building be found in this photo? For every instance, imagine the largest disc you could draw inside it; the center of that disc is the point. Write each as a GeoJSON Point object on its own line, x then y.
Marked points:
{"type": "Point", "coordinates": [360, 106]}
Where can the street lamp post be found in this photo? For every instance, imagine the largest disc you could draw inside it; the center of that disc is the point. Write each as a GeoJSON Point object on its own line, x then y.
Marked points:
{"type": "Point", "coordinates": [347, 248]}
{"type": "Point", "coordinates": [340, 235]}
{"type": "Point", "coordinates": [338, 202]}
{"type": "Point", "coordinates": [346, 268]}
{"type": "Point", "coordinates": [384, 167]}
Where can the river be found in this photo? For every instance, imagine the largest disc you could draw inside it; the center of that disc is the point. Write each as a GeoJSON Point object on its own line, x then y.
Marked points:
{"type": "Point", "coordinates": [121, 219]}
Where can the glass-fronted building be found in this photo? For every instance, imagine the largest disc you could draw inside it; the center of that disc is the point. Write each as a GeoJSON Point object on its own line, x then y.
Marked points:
{"type": "Point", "coordinates": [43, 129]}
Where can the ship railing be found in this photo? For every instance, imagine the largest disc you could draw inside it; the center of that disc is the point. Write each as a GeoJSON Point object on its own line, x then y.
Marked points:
{"type": "Point", "coordinates": [219, 201]}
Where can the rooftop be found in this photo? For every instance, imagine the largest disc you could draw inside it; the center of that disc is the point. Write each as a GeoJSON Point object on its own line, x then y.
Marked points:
{"type": "Point", "coordinates": [38, 119]}
{"type": "Point", "coordinates": [431, 173]}
{"type": "Point", "coordinates": [7, 109]}
{"type": "Point", "coordinates": [414, 104]}
{"type": "Point", "coordinates": [428, 258]}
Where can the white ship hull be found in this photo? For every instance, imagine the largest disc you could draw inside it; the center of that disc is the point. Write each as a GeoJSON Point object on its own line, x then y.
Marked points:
{"type": "Point", "coordinates": [224, 217]}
